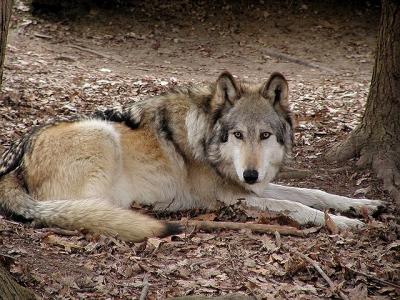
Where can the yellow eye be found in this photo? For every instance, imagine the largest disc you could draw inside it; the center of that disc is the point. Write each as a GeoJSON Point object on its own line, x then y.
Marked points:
{"type": "Point", "coordinates": [264, 135]}
{"type": "Point", "coordinates": [238, 135]}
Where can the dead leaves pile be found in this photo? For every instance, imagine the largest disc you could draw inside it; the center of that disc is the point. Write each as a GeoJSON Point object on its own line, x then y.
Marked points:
{"type": "Point", "coordinates": [195, 262]}
{"type": "Point", "coordinates": [41, 86]}
{"type": "Point", "coordinates": [200, 263]}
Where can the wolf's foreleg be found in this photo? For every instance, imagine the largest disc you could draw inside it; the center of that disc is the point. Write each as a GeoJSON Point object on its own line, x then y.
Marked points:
{"type": "Point", "coordinates": [319, 199]}
{"type": "Point", "coordinates": [299, 212]}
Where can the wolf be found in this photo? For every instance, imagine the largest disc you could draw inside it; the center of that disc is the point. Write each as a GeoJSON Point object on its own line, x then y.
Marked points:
{"type": "Point", "coordinates": [194, 147]}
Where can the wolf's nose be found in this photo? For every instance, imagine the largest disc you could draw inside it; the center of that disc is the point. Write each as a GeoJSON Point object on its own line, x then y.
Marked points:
{"type": "Point", "coordinates": [250, 176]}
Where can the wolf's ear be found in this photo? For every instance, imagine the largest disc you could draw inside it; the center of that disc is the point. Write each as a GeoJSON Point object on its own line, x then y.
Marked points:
{"type": "Point", "coordinates": [276, 90]}
{"type": "Point", "coordinates": [226, 90]}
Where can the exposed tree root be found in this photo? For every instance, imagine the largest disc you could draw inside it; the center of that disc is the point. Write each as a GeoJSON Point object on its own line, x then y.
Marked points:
{"type": "Point", "coordinates": [348, 148]}
{"type": "Point", "coordinates": [383, 157]}
{"type": "Point", "coordinates": [386, 166]}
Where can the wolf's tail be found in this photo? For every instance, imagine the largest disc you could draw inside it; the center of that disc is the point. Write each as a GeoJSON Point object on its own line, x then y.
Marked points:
{"type": "Point", "coordinates": [94, 215]}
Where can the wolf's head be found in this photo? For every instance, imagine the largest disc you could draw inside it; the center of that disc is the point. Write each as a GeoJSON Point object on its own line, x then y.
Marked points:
{"type": "Point", "coordinates": [252, 132]}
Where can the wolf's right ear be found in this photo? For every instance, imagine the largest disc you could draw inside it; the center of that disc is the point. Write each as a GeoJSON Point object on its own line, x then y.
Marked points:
{"type": "Point", "coordinates": [276, 90]}
{"type": "Point", "coordinates": [226, 91]}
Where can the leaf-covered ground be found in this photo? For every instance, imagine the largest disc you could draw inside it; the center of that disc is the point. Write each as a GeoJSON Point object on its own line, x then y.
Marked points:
{"type": "Point", "coordinates": [61, 69]}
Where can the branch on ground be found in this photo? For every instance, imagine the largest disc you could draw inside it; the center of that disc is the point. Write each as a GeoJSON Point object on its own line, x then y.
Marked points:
{"type": "Point", "coordinates": [260, 228]}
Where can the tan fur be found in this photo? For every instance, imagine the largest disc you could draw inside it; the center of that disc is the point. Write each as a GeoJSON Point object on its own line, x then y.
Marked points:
{"type": "Point", "coordinates": [93, 214]}
{"type": "Point", "coordinates": [70, 172]}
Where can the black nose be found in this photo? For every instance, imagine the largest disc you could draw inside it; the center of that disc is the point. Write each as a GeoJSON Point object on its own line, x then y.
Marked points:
{"type": "Point", "coordinates": [250, 176]}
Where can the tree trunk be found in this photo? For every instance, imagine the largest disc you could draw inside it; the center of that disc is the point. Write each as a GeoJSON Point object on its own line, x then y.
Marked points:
{"type": "Point", "coordinates": [5, 12]}
{"type": "Point", "coordinates": [376, 140]}
{"type": "Point", "coordinates": [10, 289]}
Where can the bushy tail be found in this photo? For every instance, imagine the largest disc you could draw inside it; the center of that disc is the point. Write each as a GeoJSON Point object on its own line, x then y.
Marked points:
{"type": "Point", "coordinates": [94, 215]}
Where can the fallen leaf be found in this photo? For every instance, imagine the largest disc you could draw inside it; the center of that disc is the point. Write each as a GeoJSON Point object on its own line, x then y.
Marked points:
{"type": "Point", "coordinates": [362, 191]}
{"type": "Point", "coordinates": [206, 217]}
{"type": "Point", "coordinates": [56, 240]}
{"type": "Point", "coordinates": [330, 224]}
{"type": "Point", "coordinates": [155, 242]}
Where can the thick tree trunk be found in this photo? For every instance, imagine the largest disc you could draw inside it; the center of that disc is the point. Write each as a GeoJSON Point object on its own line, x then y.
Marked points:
{"type": "Point", "coordinates": [377, 139]}
{"type": "Point", "coordinates": [10, 289]}
{"type": "Point", "coordinates": [5, 12]}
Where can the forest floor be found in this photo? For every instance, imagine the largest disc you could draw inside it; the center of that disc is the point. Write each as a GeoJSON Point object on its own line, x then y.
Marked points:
{"type": "Point", "coordinates": [59, 69]}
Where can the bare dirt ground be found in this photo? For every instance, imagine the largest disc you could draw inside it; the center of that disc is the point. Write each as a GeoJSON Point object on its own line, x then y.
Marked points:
{"type": "Point", "coordinates": [61, 69]}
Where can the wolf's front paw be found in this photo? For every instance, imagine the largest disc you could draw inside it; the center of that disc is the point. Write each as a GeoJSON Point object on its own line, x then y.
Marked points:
{"type": "Point", "coordinates": [347, 223]}
{"type": "Point", "coordinates": [372, 206]}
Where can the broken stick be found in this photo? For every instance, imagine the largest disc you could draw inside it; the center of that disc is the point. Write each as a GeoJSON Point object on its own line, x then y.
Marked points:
{"type": "Point", "coordinates": [260, 228]}
{"type": "Point", "coordinates": [374, 278]}
{"type": "Point", "coordinates": [95, 52]}
{"type": "Point", "coordinates": [145, 290]}
{"type": "Point", "coordinates": [321, 272]}
{"type": "Point", "coordinates": [283, 56]}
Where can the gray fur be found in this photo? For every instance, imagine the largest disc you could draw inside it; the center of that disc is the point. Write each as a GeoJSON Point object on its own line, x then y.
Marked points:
{"type": "Point", "coordinates": [248, 106]}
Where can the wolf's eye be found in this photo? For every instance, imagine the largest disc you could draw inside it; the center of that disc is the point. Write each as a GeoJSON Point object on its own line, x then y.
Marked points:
{"type": "Point", "coordinates": [238, 135]}
{"type": "Point", "coordinates": [264, 135]}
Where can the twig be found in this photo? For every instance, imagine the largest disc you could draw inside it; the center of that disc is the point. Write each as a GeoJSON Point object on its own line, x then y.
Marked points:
{"type": "Point", "coordinates": [12, 222]}
{"type": "Point", "coordinates": [95, 52]}
{"type": "Point", "coordinates": [372, 277]}
{"type": "Point", "coordinates": [338, 170]}
{"type": "Point", "coordinates": [42, 36]}
{"type": "Point", "coordinates": [280, 55]}
{"type": "Point", "coordinates": [321, 272]}
{"type": "Point", "coordinates": [61, 231]}
{"type": "Point", "coordinates": [278, 239]}
{"type": "Point", "coordinates": [261, 228]}
{"type": "Point", "coordinates": [145, 290]}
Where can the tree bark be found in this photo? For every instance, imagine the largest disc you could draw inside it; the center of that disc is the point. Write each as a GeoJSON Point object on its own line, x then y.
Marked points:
{"type": "Point", "coordinates": [5, 13]}
{"type": "Point", "coordinates": [10, 289]}
{"type": "Point", "coordinates": [376, 140]}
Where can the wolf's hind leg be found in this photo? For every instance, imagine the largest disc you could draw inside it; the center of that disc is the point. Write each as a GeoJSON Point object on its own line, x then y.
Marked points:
{"type": "Point", "coordinates": [300, 212]}
{"type": "Point", "coordinates": [319, 199]}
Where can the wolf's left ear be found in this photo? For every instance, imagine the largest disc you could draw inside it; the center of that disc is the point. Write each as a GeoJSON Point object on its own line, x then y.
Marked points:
{"type": "Point", "coordinates": [226, 90]}
{"type": "Point", "coordinates": [276, 90]}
